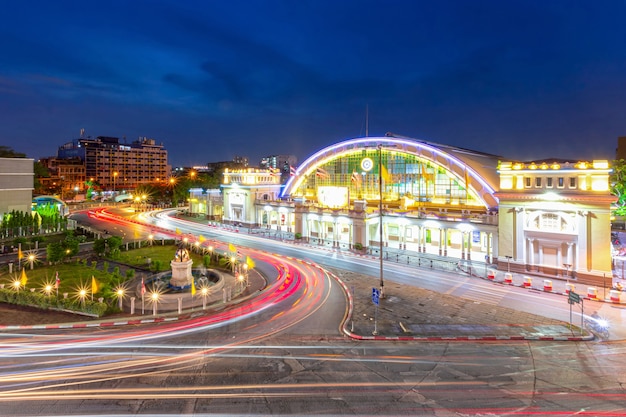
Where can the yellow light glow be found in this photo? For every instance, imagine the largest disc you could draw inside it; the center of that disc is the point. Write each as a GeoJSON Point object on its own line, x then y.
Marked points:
{"type": "Point", "coordinates": [518, 165]}
{"type": "Point", "coordinates": [506, 182]}
{"type": "Point", "coordinates": [532, 166]}
{"type": "Point", "coordinates": [505, 166]}
{"type": "Point", "coordinates": [599, 182]}
{"type": "Point", "coordinates": [600, 164]}
{"type": "Point", "coordinates": [555, 166]}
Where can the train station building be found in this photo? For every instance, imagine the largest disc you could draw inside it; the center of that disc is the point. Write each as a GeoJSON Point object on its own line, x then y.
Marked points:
{"type": "Point", "coordinates": [549, 218]}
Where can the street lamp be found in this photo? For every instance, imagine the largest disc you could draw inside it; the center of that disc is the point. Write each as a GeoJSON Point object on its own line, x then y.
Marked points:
{"type": "Point", "coordinates": [508, 261]}
{"type": "Point", "coordinates": [115, 174]}
{"type": "Point", "coordinates": [120, 296]}
{"type": "Point", "coordinates": [567, 266]}
{"type": "Point", "coordinates": [31, 259]}
{"type": "Point", "coordinates": [82, 294]}
{"type": "Point", "coordinates": [155, 301]}
{"type": "Point", "coordinates": [204, 291]}
{"type": "Point", "coordinates": [232, 263]}
{"type": "Point", "coordinates": [245, 272]}
{"type": "Point", "coordinates": [380, 216]}
{"type": "Point", "coordinates": [240, 279]}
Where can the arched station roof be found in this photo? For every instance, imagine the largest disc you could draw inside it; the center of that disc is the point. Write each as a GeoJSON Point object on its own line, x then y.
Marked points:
{"type": "Point", "coordinates": [480, 169]}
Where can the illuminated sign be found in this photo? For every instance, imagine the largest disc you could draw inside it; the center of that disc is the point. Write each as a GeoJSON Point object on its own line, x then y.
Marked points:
{"type": "Point", "coordinates": [367, 164]}
{"type": "Point", "coordinates": [333, 196]}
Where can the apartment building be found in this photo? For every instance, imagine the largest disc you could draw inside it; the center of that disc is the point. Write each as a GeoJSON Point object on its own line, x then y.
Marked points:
{"type": "Point", "coordinates": [117, 165]}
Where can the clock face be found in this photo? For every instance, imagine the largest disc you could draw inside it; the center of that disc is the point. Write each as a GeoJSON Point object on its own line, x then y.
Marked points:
{"type": "Point", "coordinates": [367, 164]}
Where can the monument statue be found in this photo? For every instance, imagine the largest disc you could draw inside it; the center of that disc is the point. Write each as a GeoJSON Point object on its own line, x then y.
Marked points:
{"type": "Point", "coordinates": [181, 268]}
{"type": "Point", "coordinates": [182, 255]}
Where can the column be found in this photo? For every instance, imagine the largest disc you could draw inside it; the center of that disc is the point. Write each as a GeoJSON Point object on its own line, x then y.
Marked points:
{"type": "Point", "coordinates": [469, 245]}
{"type": "Point", "coordinates": [440, 241]}
{"type": "Point", "coordinates": [531, 253]}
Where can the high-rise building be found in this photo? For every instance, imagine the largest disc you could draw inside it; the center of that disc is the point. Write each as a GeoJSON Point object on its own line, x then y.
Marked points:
{"type": "Point", "coordinates": [119, 166]}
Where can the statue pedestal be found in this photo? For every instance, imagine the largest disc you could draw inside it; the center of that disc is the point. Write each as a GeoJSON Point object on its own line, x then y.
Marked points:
{"type": "Point", "coordinates": [181, 273]}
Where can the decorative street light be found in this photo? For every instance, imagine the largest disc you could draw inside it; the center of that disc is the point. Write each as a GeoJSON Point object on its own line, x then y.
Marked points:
{"type": "Point", "coordinates": [240, 279]}
{"type": "Point", "coordinates": [48, 289]}
{"type": "Point", "coordinates": [245, 273]}
{"type": "Point", "coordinates": [155, 301]}
{"type": "Point", "coordinates": [204, 291]}
{"type": "Point", "coordinates": [31, 259]}
{"type": "Point", "coordinates": [82, 294]}
{"type": "Point", "coordinates": [120, 297]}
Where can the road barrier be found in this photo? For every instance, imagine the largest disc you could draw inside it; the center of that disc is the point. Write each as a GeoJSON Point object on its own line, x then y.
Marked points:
{"type": "Point", "coordinates": [547, 285]}
{"type": "Point", "coordinates": [528, 282]}
{"type": "Point", "coordinates": [491, 274]}
{"type": "Point", "coordinates": [592, 292]}
{"type": "Point", "coordinates": [615, 296]}
{"type": "Point", "coordinates": [569, 288]}
{"type": "Point", "coordinates": [508, 278]}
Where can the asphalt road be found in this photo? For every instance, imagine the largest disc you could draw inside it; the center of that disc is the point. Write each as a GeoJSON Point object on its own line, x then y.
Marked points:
{"type": "Point", "coordinates": [272, 364]}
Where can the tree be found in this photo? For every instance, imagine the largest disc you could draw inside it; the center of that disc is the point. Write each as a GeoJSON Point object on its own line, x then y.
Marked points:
{"type": "Point", "coordinates": [6, 152]}
{"type": "Point", "coordinates": [41, 171]}
{"type": "Point", "coordinates": [618, 186]}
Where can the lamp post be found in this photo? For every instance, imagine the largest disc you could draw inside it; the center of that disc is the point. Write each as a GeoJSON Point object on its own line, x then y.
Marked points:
{"type": "Point", "coordinates": [31, 259]}
{"type": "Point", "coordinates": [204, 291]}
{"type": "Point", "coordinates": [380, 217]}
{"type": "Point", "coordinates": [508, 261]}
{"type": "Point", "coordinates": [155, 301]}
{"type": "Point", "coordinates": [47, 289]}
{"type": "Point", "coordinates": [240, 279]}
{"type": "Point", "coordinates": [120, 297]}
{"type": "Point", "coordinates": [115, 174]}
{"type": "Point", "coordinates": [567, 266]}
{"type": "Point", "coordinates": [82, 294]}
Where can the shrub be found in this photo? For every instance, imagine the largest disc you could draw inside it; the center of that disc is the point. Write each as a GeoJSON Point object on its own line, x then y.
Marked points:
{"type": "Point", "coordinates": [358, 246]}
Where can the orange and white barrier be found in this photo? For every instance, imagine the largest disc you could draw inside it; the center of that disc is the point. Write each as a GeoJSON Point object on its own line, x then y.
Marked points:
{"type": "Point", "coordinates": [508, 278]}
{"type": "Point", "coordinates": [491, 274]}
{"type": "Point", "coordinates": [569, 288]}
{"type": "Point", "coordinates": [547, 285]}
{"type": "Point", "coordinates": [528, 282]}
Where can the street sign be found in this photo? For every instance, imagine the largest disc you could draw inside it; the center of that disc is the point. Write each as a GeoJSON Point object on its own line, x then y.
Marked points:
{"type": "Point", "coordinates": [573, 297]}
{"type": "Point", "coordinates": [375, 295]}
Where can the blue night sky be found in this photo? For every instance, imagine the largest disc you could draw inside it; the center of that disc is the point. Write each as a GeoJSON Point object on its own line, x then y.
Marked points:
{"type": "Point", "coordinates": [214, 79]}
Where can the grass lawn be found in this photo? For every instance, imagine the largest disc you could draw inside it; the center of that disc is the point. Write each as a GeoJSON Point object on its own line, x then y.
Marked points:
{"type": "Point", "coordinates": [73, 276]}
{"type": "Point", "coordinates": [164, 254]}
{"type": "Point", "coordinates": [76, 275]}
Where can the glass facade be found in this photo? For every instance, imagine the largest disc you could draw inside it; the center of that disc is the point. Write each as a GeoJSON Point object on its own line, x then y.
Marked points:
{"type": "Point", "coordinates": [405, 177]}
